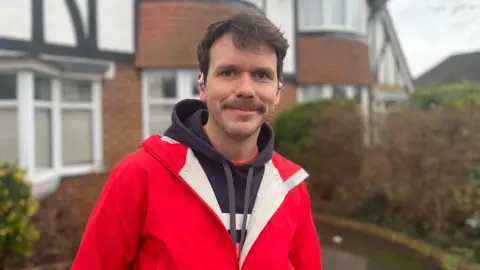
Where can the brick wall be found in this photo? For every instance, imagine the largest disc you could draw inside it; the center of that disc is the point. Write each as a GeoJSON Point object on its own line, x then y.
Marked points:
{"type": "Point", "coordinates": [122, 113]}
{"type": "Point", "coordinates": [169, 32]}
{"type": "Point", "coordinates": [332, 60]}
{"type": "Point", "coordinates": [61, 218]}
{"type": "Point", "coordinates": [288, 98]}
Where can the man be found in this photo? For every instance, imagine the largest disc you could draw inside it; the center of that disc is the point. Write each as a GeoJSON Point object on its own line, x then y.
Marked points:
{"type": "Point", "coordinates": [211, 193]}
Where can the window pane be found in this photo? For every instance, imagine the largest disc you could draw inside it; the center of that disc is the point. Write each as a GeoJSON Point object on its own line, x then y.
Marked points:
{"type": "Point", "coordinates": [163, 85]}
{"type": "Point", "coordinates": [354, 14]}
{"type": "Point", "coordinates": [358, 93]}
{"type": "Point", "coordinates": [339, 91]}
{"type": "Point", "coordinates": [8, 135]}
{"type": "Point", "coordinates": [43, 89]}
{"type": "Point", "coordinates": [43, 138]}
{"type": "Point", "coordinates": [8, 86]}
{"type": "Point", "coordinates": [339, 9]}
{"type": "Point", "coordinates": [310, 14]}
{"type": "Point", "coordinates": [77, 141]}
{"type": "Point", "coordinates": [76, 91]}
{"type": "Point", "coordinates": [307, 93]}
{"type": "Point", "coordinates": [160, 118]}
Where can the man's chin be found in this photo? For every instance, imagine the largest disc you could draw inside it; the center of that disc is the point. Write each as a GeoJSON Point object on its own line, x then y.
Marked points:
{"type": "Point", "coordinates": [242, 130]}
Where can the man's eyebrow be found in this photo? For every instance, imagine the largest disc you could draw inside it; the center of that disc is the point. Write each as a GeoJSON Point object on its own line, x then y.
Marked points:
{"type": "Point", "coordinates": [225, 66]}
{"type": "Point", "coordinates": [265, 69]}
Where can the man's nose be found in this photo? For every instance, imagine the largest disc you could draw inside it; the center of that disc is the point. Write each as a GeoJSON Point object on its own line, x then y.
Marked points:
{"type": "Point", "coordinates": [244, 86]}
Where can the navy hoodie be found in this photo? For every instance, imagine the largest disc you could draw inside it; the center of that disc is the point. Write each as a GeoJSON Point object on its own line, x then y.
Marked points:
{"type": "Point", "coordinates": [235, 187]}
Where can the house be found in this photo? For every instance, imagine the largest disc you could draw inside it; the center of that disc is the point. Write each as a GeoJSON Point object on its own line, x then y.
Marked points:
{"type": "Point", "coordinates": [82, 82]}
{"type": "Point", "coordinates": [453, 69]}
{"type": "Point", "coordinates": [392, 80]}
{"type": "Point", "coordinates": [349, 48]}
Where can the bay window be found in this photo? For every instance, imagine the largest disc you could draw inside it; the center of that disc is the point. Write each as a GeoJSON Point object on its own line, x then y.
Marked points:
{"type": "Point", "coordinates": [50, 126]}
{"type": "Point", "coordinates": [161, 90]}
{"type": "Point", "coordinates": [333, 15]}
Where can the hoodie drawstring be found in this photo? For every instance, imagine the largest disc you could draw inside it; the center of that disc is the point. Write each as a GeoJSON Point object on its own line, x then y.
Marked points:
{"type": "Point", "coordinates": [231, 203]}
{"type": "Point", "coordinates": [246, 206]}
{"type": "Point", "coordinates": [232, 206]}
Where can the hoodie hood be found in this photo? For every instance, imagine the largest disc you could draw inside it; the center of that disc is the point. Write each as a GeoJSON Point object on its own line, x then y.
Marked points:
{"type": "Point", "coordinates": [235, 187]}
{"type": "Point", "coordinates": [188, 118]}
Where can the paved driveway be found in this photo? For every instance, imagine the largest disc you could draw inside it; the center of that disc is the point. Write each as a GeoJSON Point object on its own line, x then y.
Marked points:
{"type": "Point", "coordinates": [339, 260]}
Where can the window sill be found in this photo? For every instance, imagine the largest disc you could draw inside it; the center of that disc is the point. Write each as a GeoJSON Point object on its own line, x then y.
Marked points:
{"type": "Point", "coordinates": [47, 181]}
{"type": "Point", "coordinates": [44, 183]}
{"type": "Point", "coordinates": [78, 170]}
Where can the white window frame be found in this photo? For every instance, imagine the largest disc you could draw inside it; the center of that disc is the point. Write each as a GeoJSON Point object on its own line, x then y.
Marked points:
{"type": "Point", "coordinates": [184, 78]}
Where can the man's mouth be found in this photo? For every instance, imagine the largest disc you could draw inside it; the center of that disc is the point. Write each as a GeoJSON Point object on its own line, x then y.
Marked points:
{"type": "Point", "coordinates": [243, 111]}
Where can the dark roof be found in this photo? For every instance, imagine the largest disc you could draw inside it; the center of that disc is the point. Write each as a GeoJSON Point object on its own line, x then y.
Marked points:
{"type": "Point", "coordinates": [77, 67]}
{"type": "Point", "coordinates": [376, 5]}
{"type": "Point", "coordinates": [63, 66]}
{"type": "Point", "coordinates": [454, 69]}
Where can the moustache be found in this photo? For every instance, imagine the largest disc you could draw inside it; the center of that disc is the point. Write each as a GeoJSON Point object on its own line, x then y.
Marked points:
{"type": "Point", "coordinates": [244, 105]}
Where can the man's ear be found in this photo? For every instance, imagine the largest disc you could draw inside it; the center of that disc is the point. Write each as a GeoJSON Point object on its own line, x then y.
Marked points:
{"type": "Point", "coordinates": [280, 86]}
{"type": "Point", "coordinates": [201, 86]}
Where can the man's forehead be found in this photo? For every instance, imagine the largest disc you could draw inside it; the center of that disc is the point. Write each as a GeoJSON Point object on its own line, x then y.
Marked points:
{"type": "Point", "coordinates": [230, 42]}
{"type": "Point", "coordinates": [229, 54]}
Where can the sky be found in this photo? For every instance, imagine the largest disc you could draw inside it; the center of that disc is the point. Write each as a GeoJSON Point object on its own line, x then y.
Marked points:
{"type": "Point", "coordinates": [431, 30]}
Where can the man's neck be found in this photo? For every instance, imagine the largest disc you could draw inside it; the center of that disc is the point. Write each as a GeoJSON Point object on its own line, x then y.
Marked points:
{"type": "Point", "coordinates": [234, 150]}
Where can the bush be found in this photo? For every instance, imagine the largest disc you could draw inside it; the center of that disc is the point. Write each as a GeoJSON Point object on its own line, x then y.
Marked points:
{"type": "Point", "coordinates": [431, 153]}
{"type": "Point", "coordinates": [463, 96]}
{"type": "Point", "coordinates": [423, 178]}
{"type": "Point", "coordinates": [326, 138]}
{"type": "Point", "coordinates": [16, 209]}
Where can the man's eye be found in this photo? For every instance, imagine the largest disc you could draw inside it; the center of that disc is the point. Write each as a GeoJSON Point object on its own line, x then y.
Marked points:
{"type": "Point", "coordinates": [227, 73]}
{"type": "Point", "coordinates": [261, 75]}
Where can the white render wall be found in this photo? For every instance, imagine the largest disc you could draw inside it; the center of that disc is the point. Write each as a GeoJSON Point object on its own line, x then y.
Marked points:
{"type": "Point", "coordinates": [19, 12]}
{"type": "Point", "coordinates": [115, 23]}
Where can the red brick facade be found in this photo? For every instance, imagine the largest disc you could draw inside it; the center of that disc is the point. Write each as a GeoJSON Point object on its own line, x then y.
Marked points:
{"type": "Point", "coordinates": [169, 32]}
{"type": "Point", "coordinates": [332, 60]}
{"type": "Point", "coordinates": [122, 113]}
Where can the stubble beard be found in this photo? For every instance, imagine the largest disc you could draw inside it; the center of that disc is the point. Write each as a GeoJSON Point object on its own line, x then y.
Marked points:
{"type": "Point", "coordinates": [239, 136]}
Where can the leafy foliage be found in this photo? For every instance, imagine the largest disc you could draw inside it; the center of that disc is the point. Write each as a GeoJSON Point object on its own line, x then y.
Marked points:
{"type": "Point", "coordinates": [17, 206]}
{"type": "Point", "coordinates": [326, 137]}
{"type": "Point", "coordinates": [449, 97]}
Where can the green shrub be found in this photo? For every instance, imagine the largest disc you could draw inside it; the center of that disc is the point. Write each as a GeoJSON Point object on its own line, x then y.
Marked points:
{"type": "Point", "coordinates": [16, 209]}
{"type": "Point", "coordinates": [326, 138]}
{"type": "Point", "coordinates": [450, 97]}
{"type": "Point", "coordinates": [430, 147]}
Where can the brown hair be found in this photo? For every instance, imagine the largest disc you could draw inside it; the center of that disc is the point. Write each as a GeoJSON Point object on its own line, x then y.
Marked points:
{"type": "Point", "coordinates": [248, 30]}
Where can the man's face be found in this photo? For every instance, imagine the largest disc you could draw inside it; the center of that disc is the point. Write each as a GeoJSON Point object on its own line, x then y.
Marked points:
{"type": "Point", "coordinates": [241, 88]}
